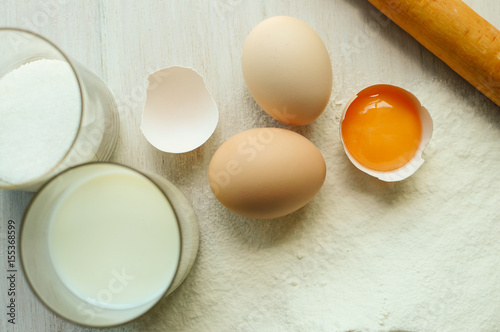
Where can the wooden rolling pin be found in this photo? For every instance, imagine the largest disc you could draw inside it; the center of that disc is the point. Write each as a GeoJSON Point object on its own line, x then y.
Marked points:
{"type": "Point", "coordinates": [455, 33]}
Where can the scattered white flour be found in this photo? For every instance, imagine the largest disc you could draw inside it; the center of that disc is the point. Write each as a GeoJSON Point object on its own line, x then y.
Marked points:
{"type": "Point", "coordinates": [40, 113]}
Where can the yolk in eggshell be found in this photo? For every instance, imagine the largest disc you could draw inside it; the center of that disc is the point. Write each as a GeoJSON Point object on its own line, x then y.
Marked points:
{"type": "Point", "coordinates": [382, 129]}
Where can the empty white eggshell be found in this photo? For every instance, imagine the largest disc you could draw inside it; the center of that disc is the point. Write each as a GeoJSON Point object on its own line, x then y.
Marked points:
{"type": "Point", "coordinates": [179, 114]}
{"type": "Point", "coordinates": [414, 164]}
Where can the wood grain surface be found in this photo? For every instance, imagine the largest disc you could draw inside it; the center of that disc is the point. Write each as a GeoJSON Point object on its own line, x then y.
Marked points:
{"type": "Point", "coordinates": [124, 41]}
{"type": "Point", "coordinates": [456, 34]}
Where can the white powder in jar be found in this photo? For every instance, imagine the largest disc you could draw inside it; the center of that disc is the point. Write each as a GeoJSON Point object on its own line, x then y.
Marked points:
{"type": "Point", "coordinates": [40, 110]}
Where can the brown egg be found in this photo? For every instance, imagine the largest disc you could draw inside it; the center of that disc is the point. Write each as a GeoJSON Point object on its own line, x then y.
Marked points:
{"type": "Point", "coordinates": [287, 69]}
{"type": "Point", "coordinates": [266, 173]}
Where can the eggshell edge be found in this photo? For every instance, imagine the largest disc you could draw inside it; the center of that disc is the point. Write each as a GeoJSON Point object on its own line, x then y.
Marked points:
{"type": "Point", "coordinates": [414, 164]}
{"type": "Point", "coordinates": [214, 104]}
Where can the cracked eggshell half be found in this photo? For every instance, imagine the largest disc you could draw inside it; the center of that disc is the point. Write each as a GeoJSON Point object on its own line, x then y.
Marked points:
{"type": "Point", "coordinates": [416, 161]}
{"type": "Point", "coordinates": [179, 114]}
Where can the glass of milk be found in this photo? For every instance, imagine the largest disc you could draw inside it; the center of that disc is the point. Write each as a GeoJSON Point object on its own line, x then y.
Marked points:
{"type": "Point", "coordinates": [54, 112]}
{"type": "Point", "coordinates": [102, 243]}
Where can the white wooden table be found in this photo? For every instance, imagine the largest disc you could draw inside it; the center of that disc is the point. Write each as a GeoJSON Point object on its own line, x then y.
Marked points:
{"type": "Point", "coordinates": [261, 275]}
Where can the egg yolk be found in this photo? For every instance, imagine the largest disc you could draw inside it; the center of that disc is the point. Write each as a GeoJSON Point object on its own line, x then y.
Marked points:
{"type": "Point", "coordinates": [382, 128]}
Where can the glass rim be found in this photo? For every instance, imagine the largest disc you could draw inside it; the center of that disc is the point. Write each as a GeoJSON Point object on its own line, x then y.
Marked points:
{"type": "Point", "coordinates": [46, 175]}
{"type": "Point", "coordinates": [23, 223]}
